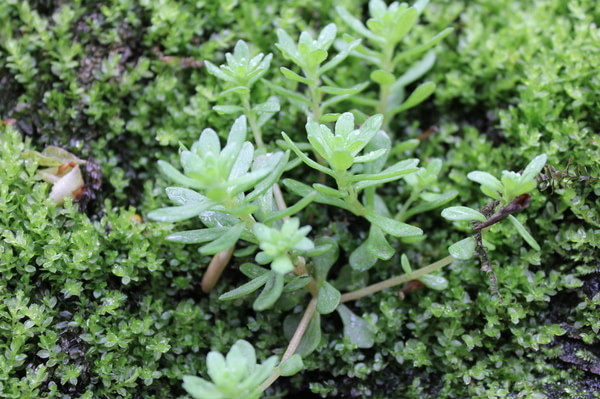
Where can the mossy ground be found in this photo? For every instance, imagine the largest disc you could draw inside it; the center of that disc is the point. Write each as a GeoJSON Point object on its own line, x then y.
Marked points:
{"type": "Point", "coordinates": [95, 304]}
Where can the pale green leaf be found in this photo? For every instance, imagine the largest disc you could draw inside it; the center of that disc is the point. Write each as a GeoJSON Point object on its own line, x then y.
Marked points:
{"type": "Point", "coordinates": [356, 329]}
{"type": "Point", "coordinates": [534, 168]}
{"type": "Point", "coordinates": [356, 25]}
{"type": "Point", "coordinates": [420, 94]}
{"type": "Point", "coordinates": [456, 213]}
{"type": "Point", "coordinates": [393, 227]}
{"type": "Point", "coordinates": [197, 236]}
{"type": "Point", "coordinates": [224, 242]}
{"type": "Point", "coordinates": [463, 249]}
{"type": "Point", "coordinates": [270, 293]}
{"type": "Point", "coordinates": [328, 298]}
{"type": "Point", "coordinates": [383, 78]}
{"type": "Point", "coordinates": [292, 366]}
{"type": "Point", "coordinates": [246, 288]}
{"type": "Point", "coordinates": [524, 233]}
{"type": "Point", "coordinates": [486, 179]}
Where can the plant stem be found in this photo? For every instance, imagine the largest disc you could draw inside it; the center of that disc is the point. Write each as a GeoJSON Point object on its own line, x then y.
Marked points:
{"type": "Point", "coordinates": [315, 96]}
{"type": "Point", "coordinates": [252, 121]}
{"type": "Point", "coordinates": [257, 133]}
{"type": "Point", "coordinates": [382, 285]}
{"type": "Point", "coordinates": [413, 196]}
{"type": "Point", "coordinates": [215, 269]}
{"type": "Point", "coordinates": [294, 343]}
{"type": "Point", "coordinates": [387, 64]}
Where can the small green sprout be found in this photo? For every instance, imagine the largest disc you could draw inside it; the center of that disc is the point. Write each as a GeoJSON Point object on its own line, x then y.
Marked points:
{"type": "Point", "coordinates": [234, 376]}
{"type": "Point", "coordinates": [386, 28]}
{"type": "Point", "coordinates": [223, 175]}
{"type": "Point", "coordinates": [512, 184]}
{"type": "Point", "coordinates": [309, 54]}
{"type": "Point", "coordinates": [276, 244]}
{"type": "Point", "coordinates": [241, 70]}
{"type": "Point", "coordinates": [423, 185]}
{"type": "Point", "coordinates": [341, 150]}
{"type": "Point", "coordinates": [510, 194]}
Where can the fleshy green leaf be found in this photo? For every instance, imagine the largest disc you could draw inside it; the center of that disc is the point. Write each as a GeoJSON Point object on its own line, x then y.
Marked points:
{"type": "Point", "coordinates": [289, 94]}
{"type": "Point", "coordinates": [316, 57]}
{"type": "Point", "coordinates": [327, 36]}
{"type": "Point", "coordinates": [362, 258]}
{"type": "Point", "coordinates": [224, 242]}
{"type": "Point", "coordinates": [534, 168]}
{"type": "Point", "coordinates": [270, 293]}
{"type": "Point", "coordinates": [291, 75]}
{"type": "Point", "coordinates": [292, 366]}
{"type": "Point", "coordinates": [305, 158]}
{"type": "Point", "coordinates": [463, 249]}
{"type": "Point", "coordinates": [237, 90]}
{"type": "Point", "coordinates": [312, 337]}
{"type": "Point", "coordinates": [178, 213]}
{"type": "Point", "coordinates": [378, 245]}
{"type": "Point", "coordinates": [416, 71]}
{"type": "Point", "coordinates": [486, 179]}
{"type": "Point", "coordinates": [252, 271]}
{"type": "Point", "coordinates": [358, 331]}
{"type": "Point", "coordinates": [324, 261]}
{"type": "Point", "coordinates": [184, 196]}
{"type": "Point", "coordinates": [356, 25]}
{"type": "Point", "coordinates": [268, 182]}
{"type": "Point", "coordinates": [282, 265]}
{"type": "Point", "coordinates": [246, 288]}
{"type": "Point", "coordinates": [199, 388]}
{"type": "Point", "coordinates": [404, 24]}
{"type": "Point", "coordinates": [462, 213]}
{"type": "Point", "coordinates": [297, 283]}
{"type": "Point", "coordinates": [405, 264]}
{"type": "Point", "coordinates": [393, 227]}
{"type": "Point", "coordinates": [341, 160]}
{"type": "Point", "coordinates": [292, 210]}
{"type": "Point", "coordinates": [423, 47]}
{"type": "Point", "coordinates": [328, 298]}
{"type": "Point", "coordinates": [216, 71]}
{"type": "Point", "coordinates": [420, 94]}
{"type": "Point", "coordinates": [427, 206]}
{"type": "Point", "coordinates": [267, 107]}
{"type": "Point", "coordinates": [434, 281]}
{"type": "Point", "coordinates": [332, 192]}
{"type": "Point", "coordinates": [339, 57]}
{"type": "Point", "coordinates": [393, 172]}
{"type": "Point", "coordinates": [197, 236]}
{"type": "Point", "coordinates": [382, 77]}
{"type": "Point", "coordinates": [524, 233]}
{"type": "Point", "coordinates": [344, 91]}
{"type": "Point", "coordinates": [176, 176]}
{"type": "Point", "coordinates": [228, 109]}
{"type": "Point", "coordinates": [302, 190]}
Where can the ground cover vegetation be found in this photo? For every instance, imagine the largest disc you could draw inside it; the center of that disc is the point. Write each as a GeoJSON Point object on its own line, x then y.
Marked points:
{"type": "Point", "coordinates": [380, 237]}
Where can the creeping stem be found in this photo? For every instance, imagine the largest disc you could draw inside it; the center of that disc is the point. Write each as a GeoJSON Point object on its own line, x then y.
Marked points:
{"type": "Point", "coordinates": [350, 296]}
{"type": "Point", "coordinates": [382, 285]}
{"type": "Point", "coordinates": [294, 343]}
